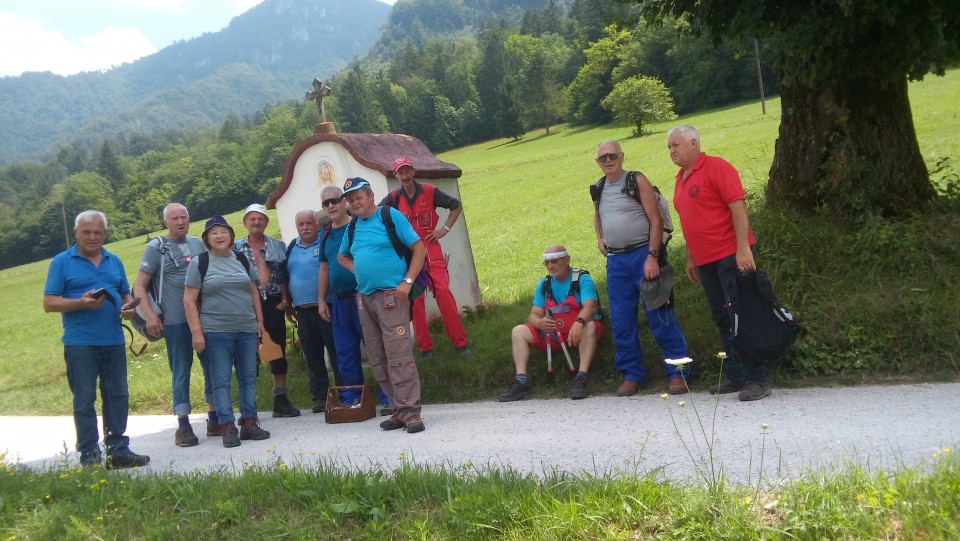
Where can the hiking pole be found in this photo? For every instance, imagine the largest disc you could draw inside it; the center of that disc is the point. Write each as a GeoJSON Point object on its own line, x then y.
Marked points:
{"type": "Point", "coordinates": [551, 377]}
{"type": "Point", "coordinates": [563, 345]}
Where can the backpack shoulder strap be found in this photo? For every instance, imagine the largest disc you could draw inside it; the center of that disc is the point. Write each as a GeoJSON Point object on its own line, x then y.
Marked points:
{"type": "Point", "coordinates": [391, 228]}
{"type": "Point", "coordinates": [243, 260]}
{"type": "Point", "coordinates": [290, 247]}
{"type": "Point", "coordinates": [547, 289]}
{"type": "Point", "coordinates": [575, 282]}
{"type": "Point", "coordinates": [324, 235]}
{"type": "Point", "coordinates": [596, 190]}
{"type": "Point", "coordinates": [350, 231]}
{"type": "Point", "coordinates": [631, 186]}
{"type": "Point", "coordinates": [203, 265]}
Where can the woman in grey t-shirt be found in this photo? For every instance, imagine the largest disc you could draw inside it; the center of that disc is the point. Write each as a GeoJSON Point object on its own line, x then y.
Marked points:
{"type": "Point", "coordinates": [222, 302]}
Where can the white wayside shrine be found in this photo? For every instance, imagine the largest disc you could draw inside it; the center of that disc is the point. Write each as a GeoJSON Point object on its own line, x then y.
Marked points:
{"type": "Point", "coordinates": [330, 158]}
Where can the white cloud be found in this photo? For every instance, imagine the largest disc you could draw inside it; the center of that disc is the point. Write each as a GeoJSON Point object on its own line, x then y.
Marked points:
{"type": "Point", "coordinates": [26, 46]}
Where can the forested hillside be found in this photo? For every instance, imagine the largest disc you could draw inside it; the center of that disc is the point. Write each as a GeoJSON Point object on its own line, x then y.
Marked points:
{"type": "Point", "coordinates": [266, 55]}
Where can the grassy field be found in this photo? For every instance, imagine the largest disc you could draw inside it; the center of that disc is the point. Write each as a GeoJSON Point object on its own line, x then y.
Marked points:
{"type": "Point", "coordinates": [521, 196]}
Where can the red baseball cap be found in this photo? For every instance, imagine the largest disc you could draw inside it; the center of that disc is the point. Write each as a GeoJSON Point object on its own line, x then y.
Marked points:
{"type": "Point", "coordinates": [400, 162]}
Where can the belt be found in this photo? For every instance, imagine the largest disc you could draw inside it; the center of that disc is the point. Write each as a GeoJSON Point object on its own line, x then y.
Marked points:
{"type": "Point", "coordinates": [345, 294]}
{"type": "Point", "coordinates": [306, 306]}
{"type": "Point", "coordinates": [625, 249]}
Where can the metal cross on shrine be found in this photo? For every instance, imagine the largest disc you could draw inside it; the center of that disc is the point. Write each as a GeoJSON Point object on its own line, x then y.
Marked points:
{"type": "Point", "coordinates": [319, 91]}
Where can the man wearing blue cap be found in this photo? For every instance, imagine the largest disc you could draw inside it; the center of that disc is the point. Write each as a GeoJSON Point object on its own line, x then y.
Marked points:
{"type": "Point", "coordinates": [385, 280]}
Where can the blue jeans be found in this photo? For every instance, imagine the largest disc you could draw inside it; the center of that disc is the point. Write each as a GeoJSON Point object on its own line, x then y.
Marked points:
{"type": "Point", "coordinates": [180, 358]}
{"type": "Point", "coordinates": [624, 275]}
{"type": "Point", "coordinates": [716, 277]}
{"type": "Point", "coordinates": [315, 335]}
{"type": "Point", "coordinates": [226, 352]}
{"type": "Point", "coordinates": [85, 364]}
{"type": "Point", "coordinates": [347, 337]}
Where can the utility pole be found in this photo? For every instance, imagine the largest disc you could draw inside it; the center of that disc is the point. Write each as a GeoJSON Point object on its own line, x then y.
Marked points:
{"type": "Point", "coordinates": [763, 102]}
{"type": "Point", "coordinates": [66, 234]}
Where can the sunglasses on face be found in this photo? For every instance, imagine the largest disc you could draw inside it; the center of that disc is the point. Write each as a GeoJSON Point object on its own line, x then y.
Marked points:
{"type": "Point", "coordinates": [603, 158]}
{"type": "Point", "coordinates": [332, 201]}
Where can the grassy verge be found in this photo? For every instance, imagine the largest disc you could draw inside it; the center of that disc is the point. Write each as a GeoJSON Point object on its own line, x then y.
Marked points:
{"type": "Point", "coordinates": [880, 298]}
{"type": "Point", "coordinates": [466, 502]}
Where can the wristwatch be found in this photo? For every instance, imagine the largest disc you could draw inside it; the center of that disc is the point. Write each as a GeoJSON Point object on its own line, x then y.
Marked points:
{"type": "Point", "coordinates": [581, 321]}
{"type": "Point", "coordinates": [408, 280]}
{"type": "Point", "coordinates": [654, 253]}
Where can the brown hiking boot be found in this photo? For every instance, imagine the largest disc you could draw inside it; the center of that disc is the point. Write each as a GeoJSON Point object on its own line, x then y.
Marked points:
{"type": "Point", "coordinates": [393, 423]}
{"type": "Point", "coordinates": [754, 391]}
{"type": "Point", "coordinates": [414, 425]}
{"type": "Point", "coordinates": [677, 386]}
{"type": "Point", "coordinates": [627, 388]}
{"type": "Point", "coordinates": [726, 386]}
{"type": "Point", "coordinates": [185, 437]}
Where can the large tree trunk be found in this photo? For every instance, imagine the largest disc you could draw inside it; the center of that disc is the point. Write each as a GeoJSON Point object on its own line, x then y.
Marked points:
{"type": "Point", "coordinates": [850, 146]}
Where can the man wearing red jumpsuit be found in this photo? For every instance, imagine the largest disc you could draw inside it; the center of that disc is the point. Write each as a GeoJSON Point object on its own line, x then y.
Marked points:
{"type": "Point", "coordinates": [418, 201]}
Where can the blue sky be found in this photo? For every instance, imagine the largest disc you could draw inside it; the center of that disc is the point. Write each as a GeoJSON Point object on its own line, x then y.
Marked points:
{"type": "Point", "coordinates": [70, 36]}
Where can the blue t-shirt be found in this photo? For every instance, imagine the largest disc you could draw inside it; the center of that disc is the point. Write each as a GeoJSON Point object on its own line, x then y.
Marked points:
{"type": "Point", "coordinates": [302, 267]}
{"type": "Point", "coordinates": [588, 290]}
{"type": "Point", "coordinates": [70, 276]}
{"type": "Point", "coordinates": [375, 263]}
{"type": "Point", "coordinates": [342, 281]}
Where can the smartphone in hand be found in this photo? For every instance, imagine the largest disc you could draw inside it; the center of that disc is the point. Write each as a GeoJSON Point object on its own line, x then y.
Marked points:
{"type": "Point", "coordinates": [132, 304]}
{"type": "Point", "coordinates": [97, 293]}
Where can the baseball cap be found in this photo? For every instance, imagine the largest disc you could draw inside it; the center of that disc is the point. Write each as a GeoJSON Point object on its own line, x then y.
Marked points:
{"type": "Point", "coordinates": [354, 183]}
{"type": "Point", "coordinates": [656, 292]}
{"type": "Point", "coordinates": [256, 207]}
{"type": "Point", "coordinates": [400, 162]}
{"type": "Point", "coordinates": [215, 221]}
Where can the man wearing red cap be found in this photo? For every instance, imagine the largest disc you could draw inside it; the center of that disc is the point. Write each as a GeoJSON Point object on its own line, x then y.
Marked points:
{"type": "Point", "coordinates": [418, 201]}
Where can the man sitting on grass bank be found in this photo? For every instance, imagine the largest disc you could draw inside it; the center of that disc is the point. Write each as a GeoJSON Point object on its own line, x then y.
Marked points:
{"type": "Point", "coordinates": [564, 310]}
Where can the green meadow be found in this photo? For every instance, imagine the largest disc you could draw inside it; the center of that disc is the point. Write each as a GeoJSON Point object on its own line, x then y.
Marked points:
{"type": "Point", "coordinates": [879, 298]}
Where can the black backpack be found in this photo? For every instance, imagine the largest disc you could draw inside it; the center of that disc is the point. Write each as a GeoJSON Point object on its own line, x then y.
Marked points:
{"type": "Point", "coordinates": [422, 280]}
{"type": "Point", "coordinates": [547, 289]}
{"type": "Point", "coordinates": [630, 188]}
{"type": "Point", "coordinates": [762, 329]}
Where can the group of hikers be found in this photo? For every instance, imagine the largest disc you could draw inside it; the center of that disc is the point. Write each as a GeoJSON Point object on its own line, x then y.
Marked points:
{"type": "Point", "coordinates": [359, 281]}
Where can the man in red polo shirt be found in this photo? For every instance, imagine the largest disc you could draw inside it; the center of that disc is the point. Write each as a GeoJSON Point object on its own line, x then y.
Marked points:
{"type": "Point", "coordinates": [709, 198]}
{"type": "Point", "coordinates": [418, 201]}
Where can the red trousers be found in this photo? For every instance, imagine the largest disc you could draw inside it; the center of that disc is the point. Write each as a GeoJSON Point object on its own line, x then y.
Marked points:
{"type": "Point", "coordinates": [440, 285]}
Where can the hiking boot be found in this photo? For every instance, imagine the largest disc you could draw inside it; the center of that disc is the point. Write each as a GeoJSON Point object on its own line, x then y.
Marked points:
{"type": "Point", "coordinates": [213, 428]}
{"type": "Point", "coordinates": [517, 391]}
{"type": "Point", "coordinates": [230, 435]}
{"type": "Point", "coordinates": [677, 386]}
{"type": "Point", "coordinates": [185, 437]}
{"type": "Point", "coordinates": [754, 391]}
{"type": "Point", "coordinates": [414, 425]}
{"type": "Point", "coordinates": [385, 411]}
{"type": "Point", "coordinates": [464, 351]}
{"type": "Point", "coordinates": [578, 389]}
{"type": "Point", "coordinates": [318, 406]}
{"type": "Point", "coordinates": [283, 408]}
{"type": "Point", "coordinates": [726, 386]}
{"type": "Point", "coordinates": [627, 388]}
{"type": "Point", "coordinates": [250, 430]}
{"type": "Point", "coordinates": [126, 459]}
{"type": "Point", "coordinates": [424, 355]}
{"type": "Point", "coordinates": [393, 423]}
{"type": "Point", "coordinates": [91, 459]}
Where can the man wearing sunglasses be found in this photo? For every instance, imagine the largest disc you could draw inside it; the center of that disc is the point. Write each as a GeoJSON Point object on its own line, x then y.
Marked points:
{"type": "Point", "coordinates": [87, 285]}
{"type": "Point", "coordinates": [303, 266]}
{"type": "Point", "coordinates": [630, 236]}
{"type": "Point", "coordinates": [172, 253]}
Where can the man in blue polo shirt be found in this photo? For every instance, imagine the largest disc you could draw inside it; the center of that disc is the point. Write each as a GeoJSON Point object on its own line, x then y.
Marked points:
{"type": "Point", "coordinates": [301, 295]}
{"type": "Point", "coordinates": [384, 283]}
{"type": "Point", "coordinates": [89, 287]}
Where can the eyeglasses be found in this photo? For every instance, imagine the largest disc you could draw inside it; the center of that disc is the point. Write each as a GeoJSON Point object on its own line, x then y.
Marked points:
{"type": "Point", "coordinates": [603, 158]}
{"type": "Point", "coordinates": [332, 201]}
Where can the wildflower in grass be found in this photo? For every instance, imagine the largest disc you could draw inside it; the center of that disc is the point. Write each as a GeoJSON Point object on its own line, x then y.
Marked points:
{"type": "Point", "coordinates": [681, 403]}
{"type": "Point", "coordinates": [679, 362]}
{"type": "Point", "coordinates": [663, 396]}
{"type": "Point", "coordinates": [722, 355]}
{"type": "Point", "coordinates": [764, 426]}
{"type": "Point", "coordinates": [747, 499]}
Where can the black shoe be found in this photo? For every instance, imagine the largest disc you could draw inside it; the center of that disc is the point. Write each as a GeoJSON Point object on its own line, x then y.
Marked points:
{"type": "Point", "coordinates": [230, 435]}
{"type": "Point", "coordinates": [393, 423]}
{"type": "Point", "coordinates": [318, 406]}
{"type": "Point", "coordinates": [414, 425]}
{"type": "Point", "coordinates": [385, 411]}
{"type": "Point", "coordinates": [91, 459]}
{"type": "Point", "coordinates": [754, 391]}
{"type": "Point", "coordinates": [578, 389]}
{"type": "Point", "coordinates": [185, 437]}
{"type": "Point", "coordinates": [517, 391]}
{"type": "Point", "coordinates": [424, 355]}
{"type": "Point", "coordinates": [283, 408]}
{"type": "Point", "coordinates": [213, 428]}
{"type": "Point", "coordinates": [250, 430]}
{"type": "Point", "coordinates": [128, 459]}
{"type": "Point", "coordinates": [726, 386]}
{"type": "Point", "coordinates": [464, 351]}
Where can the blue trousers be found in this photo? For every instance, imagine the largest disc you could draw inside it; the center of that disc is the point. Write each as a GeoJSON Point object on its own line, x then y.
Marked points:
{"type": "Point", "coordinates": [716, 278]}
{"type": "Point", "coordinates": [624, 275]}
{"type": "Point", "coordinates": [347, 337]}
{"type": "Point", "coordinates": [229, 351]}
{"type": "Point", "coordinates": [85, 365]}
{"type": "Point", "coordinates": [180, 358]}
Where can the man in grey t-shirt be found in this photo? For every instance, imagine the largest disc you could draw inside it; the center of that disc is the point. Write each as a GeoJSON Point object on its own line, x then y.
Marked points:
{"type": "Point", "coordinates": [174, 251]}
{"type": "Point", "coordinates": [629, 231]}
